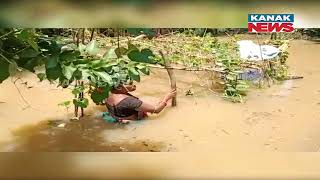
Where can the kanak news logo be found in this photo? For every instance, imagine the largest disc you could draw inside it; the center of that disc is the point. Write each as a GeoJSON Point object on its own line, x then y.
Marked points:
{"type": "Point", "coordinates": [263, 23]}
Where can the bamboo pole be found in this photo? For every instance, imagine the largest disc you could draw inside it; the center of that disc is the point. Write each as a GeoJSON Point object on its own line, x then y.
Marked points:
{"type": "Point", "coordinates": [171, 76]}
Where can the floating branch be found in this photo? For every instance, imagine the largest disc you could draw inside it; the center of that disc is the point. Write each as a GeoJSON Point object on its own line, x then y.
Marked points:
{"type": "Point", "coordinates": [186, 69]}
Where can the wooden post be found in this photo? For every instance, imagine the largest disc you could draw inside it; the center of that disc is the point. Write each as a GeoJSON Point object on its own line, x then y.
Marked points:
{"type": "Point", "coordinates": [171, 76]}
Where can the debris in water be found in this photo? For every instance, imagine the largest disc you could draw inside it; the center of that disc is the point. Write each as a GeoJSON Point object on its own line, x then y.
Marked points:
{"type": "Point", "coordinates": [62, 125]}
{"type": "Point", "coordinates": [189, 93]}
{"type": "Point", "coordinates": [225, 131]}
{"type": "Point", "coordinates": [54, 122]}
{"type": "Point", "coordinates": [74, 119]}
{"type": "Point", "coordinates": [123, 149]}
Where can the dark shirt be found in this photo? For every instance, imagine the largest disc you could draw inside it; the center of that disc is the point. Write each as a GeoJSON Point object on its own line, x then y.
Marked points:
{"type": "Point", "coordinates": [125, 108]}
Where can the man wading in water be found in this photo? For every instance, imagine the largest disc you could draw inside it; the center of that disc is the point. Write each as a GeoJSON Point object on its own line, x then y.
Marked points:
{"type": "Point", "coordinates": [124, 107]}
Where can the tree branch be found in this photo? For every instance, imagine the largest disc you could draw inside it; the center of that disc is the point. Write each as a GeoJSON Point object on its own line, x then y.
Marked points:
{"type": "Point", "coordinates": [186, 69]}
{"type": "Point", "coordinates": [22, 97]}
{"type": "Point", "coordinates": [171, 76]}
{"type": "Point", "coordinates": [6, 34]}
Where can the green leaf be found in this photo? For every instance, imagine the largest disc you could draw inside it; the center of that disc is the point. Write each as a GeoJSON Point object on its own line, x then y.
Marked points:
{"type": "Point", "coordinates": [41, 76]}
{"type": "Point", "coordinates": [77, 90]}
{"type": "Point", "coordinates": [120, 51]}
{"type": "Point", "coordinates": [92, 48]}
{"type": "Point", "coordinates": [144, 56]}
{"type": "Point", "coordinates": [4, 70]}
{"type": "Point", "coordinates": [31, 63]}
{"type": "Point", "coordinates": [68, 71]}
{"type": "Point", "coordinates": [54, 73]}
{"type": "Point", "coordinates": [13, 68]}
{"type": "Point", "coordinates": [104, 76]}
{"type": "Point", "coordinates": [44, 44]}
{"type": "Point", "coordinates": [87, 75]}
{"type": "Point", "coordinates": [131, 47]}
{"type": "Point", "coordinates": [24, 35]}
{"type": "Point", "coordinates": [27, 35]}
{"type": "Point", "coordinates": [99, 96]}
{"type": "Point", "coordinates": [52, 62]}
{"type": "Point", "coordinates": [83, 103]}
{"type": "Point", "coordinates": [54, 47]}
{"type": "Point", "coordinates": [139, 65]}
{"type": "Point", "coordinates": [111, 63]}
{"type": "Point", "coordinates": [110, 54]}
{"type": "Point", "coordinates": [82, 48]}
{"type": "Point", "coordinates": [69, 56]}
{"type": "Point", "coordinates": [33, 44]}
{"type": "Point", "coordinates": [231, 89]}
{"type": "Point", "coordinates": [78, 74]}
{"type": "Point", "coordinates": [134, 74]}
{"type": "Point", "coordinates": [28, 53]}
{"type": "Point", "coordinates": [65, 104]}
{"type": "Point", "coordinates": [145, 70]}
{"type": "Point", "coordinates": [242, 88]}
{"type": "Point", "coordinates": [96, 64]}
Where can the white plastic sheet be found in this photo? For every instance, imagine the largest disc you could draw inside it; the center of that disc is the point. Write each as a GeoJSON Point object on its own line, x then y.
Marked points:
{"type": "Point", "coordinates": [252, 52]}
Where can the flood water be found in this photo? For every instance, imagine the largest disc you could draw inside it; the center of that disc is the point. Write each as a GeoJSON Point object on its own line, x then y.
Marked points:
{"type": "Point", "coordinates": [285, 117]}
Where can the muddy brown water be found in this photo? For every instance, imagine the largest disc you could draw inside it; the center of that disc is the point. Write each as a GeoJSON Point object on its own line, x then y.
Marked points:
{"type": "Point", "coordinates": [80, 136]}
{"type": "Point", "coordinates": [284, 117]}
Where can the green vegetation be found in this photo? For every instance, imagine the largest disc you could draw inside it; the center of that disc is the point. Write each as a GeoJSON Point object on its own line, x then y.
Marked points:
{"type": "Point", "coordinates": [228, 59]}
{"type": "Point", "coordinates": [91, 65]}
{"type": "Point", "coordinates": [68, 65]}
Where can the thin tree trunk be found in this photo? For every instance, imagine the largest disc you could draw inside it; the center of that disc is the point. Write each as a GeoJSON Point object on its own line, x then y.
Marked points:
{"type": "Point", "coordinates": [81, 96]}
{"type": "Point", "coordinates": [171, 76]}
{"type": "Point", "coordinates": [83, 35]}
{"type": "Point", "coordinates": [74, 35]}
{"type": "Point", "coordinates": [78, 37]}
{"type": "Point", "coordinates": [118, 37]}
{"type": "Point", "coordinates": [75, 106]}
{"type": "Point", "coordinates": [92, 33]}
{"type": "Point", "coordinates": [273, 36]}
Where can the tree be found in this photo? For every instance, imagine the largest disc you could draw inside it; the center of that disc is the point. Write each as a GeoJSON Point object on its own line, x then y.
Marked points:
{"type": "Point", "coordinates": [70, 65]}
